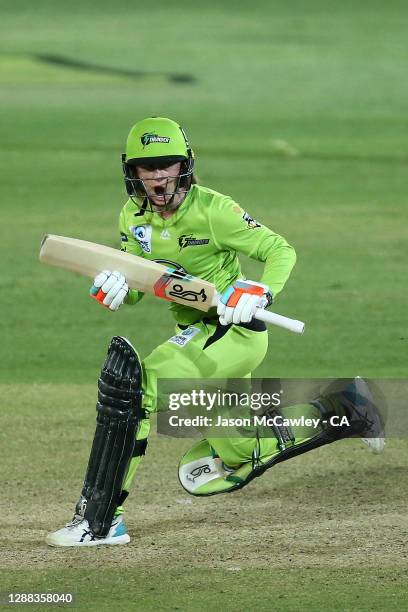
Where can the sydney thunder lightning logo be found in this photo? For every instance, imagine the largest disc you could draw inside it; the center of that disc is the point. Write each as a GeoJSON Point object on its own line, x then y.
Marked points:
{"type": "Point", "coordinates": [149, 137]}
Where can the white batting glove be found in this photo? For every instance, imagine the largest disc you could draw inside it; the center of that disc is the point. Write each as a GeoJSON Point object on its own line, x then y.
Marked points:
{"type": "Point", "coordinates": [110, 289]}
{"type": "Point", "coordinates": [240, 301]}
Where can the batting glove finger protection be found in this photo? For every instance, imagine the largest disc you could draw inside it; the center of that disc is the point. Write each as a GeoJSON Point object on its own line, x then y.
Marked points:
{"type": "Point", "coordinates": [113, 279]}
{"type": "Point", "coordinates": [110, 289]}
{"type": "Point", "coordinates": [100, 279]}
{"type": "Point", "coordinates": [119, 298]}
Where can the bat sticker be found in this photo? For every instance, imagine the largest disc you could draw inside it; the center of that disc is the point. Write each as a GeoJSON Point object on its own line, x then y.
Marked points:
{"type": "Point", "coordinates": [178, 290]}
{"type": "Point", "coordinates": [188, 295]}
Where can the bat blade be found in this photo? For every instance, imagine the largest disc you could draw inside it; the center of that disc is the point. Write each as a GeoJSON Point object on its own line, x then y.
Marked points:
{"type": "Point", "coordinates": [89, 258]}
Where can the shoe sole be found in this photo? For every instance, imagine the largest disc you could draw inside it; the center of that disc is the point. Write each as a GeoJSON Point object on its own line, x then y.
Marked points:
{"type": "Point", "coordinates": [123, 539]}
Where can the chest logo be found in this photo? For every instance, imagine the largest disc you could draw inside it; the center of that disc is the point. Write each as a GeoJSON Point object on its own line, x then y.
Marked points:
{"type": "Point", "coordinates": [143, 234]}
{"type": "Point", "coordinates": [187, 240]}
{"type": "Point", "coordinates": [165, 235]}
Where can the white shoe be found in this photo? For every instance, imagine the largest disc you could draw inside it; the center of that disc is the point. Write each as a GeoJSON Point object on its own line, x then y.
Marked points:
{"type": "Point", "coordinates": [375, 445]}
{"type": "Point", "coordinates": [78, 533]}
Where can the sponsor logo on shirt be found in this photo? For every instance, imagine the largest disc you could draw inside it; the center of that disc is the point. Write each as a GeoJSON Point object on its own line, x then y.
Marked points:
{"type": "Point", "coordinates": [188, 240]}
{"type": "Point", "coordinates": [143, 234]}
{"type": "Point", "coordinates": [185, 336]}
{"type": "Point", "coordinates": [165, 234]}
{"type": "Point", "coordinates": [250, 221]}
{"type": "Point", "coordinates": [149, 137]}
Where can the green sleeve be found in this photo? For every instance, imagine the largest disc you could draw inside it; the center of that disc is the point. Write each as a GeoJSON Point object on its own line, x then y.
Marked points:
{"type": "Point", "coordinates": [130, 245]}
{"type": "Point", "coordinates": [233, 229]}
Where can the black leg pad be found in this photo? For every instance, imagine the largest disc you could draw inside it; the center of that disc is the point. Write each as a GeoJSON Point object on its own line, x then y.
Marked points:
{"type": "Point", "coordinates": [140, 448]}
{"type": "Point", "coordinates": [119, 412]}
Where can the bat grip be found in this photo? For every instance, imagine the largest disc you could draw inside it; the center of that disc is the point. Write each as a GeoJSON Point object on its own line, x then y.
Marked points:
{"type": "Point", "coordinates": [297, 327]}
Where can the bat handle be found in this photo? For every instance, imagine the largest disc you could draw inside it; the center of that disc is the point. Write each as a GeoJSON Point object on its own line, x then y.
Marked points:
{"type": "Point", "coordinates": [297, 327]}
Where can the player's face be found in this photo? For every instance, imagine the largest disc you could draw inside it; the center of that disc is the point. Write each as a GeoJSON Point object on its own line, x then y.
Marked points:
{"type": "Point", "coordinates": [160, 183]}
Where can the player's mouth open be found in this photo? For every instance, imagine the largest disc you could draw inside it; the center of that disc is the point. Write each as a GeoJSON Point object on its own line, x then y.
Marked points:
{"type": "Point", "coordinates": [159, 193]}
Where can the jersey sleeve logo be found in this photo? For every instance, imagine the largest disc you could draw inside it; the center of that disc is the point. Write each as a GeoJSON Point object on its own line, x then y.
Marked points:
{"type": "Point", "coordinates": [250, 221]}
{"type": "Point", "coordinates": [143, 234]}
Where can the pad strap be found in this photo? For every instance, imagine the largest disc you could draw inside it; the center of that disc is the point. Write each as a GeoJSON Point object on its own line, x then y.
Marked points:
{"type": "Point", "coordinates": [283, 433]}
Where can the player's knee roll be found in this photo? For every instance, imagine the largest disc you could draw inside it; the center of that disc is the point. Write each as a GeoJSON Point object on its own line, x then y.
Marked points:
{"type": "Point", "coordinates": [119, 384]}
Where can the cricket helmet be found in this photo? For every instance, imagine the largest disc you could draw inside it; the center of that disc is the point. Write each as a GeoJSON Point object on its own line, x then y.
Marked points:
{"type": "Point", "coordinates": [157, 142]}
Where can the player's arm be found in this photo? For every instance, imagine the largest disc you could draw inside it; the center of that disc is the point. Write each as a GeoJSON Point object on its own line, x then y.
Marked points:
{"type": "Point", "coordinates": [235, 230]}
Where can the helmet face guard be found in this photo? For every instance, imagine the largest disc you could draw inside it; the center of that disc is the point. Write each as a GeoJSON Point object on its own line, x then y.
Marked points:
{"type": "Point", "coordinates": [139, 188]}
{"type": "Point", "coordinates": [157, 143]}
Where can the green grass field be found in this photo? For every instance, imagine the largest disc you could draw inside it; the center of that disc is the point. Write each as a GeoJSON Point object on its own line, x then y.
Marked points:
{"type": "Point", "coordinates": [299, 111]}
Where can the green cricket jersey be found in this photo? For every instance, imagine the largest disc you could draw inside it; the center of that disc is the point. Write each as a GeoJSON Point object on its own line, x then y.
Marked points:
{"type": "Point", "coordinates": [204, 237]}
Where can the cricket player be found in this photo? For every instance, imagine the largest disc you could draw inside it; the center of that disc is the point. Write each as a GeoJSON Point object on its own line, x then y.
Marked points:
{"type": "Point", "coordinates": [170, 218]}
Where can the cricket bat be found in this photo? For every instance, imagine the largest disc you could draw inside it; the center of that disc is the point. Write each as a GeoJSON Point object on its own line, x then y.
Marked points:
{"type": "Point", "coordinates": [89, 259]}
